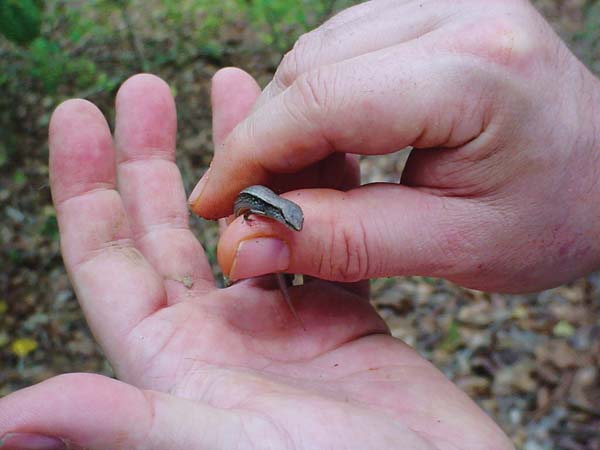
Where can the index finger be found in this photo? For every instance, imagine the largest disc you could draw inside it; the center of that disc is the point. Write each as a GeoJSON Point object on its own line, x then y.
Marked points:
{"type": "Point", "coordinates": [372, 104]}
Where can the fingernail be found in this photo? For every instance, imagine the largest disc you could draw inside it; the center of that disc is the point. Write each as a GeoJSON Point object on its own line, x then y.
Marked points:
{"type": "Point", "coordinates": [259, 256]}
{"type": "Point", "coordinates": [197, 192]}
{"type": "Point", "coordinates": [30, 441]}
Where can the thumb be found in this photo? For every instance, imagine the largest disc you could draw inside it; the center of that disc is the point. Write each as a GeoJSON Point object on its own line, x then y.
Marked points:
{"type": "Point", "coordinates": [94, 412]}
{"type": "Point", "coordinates": [372, 231]}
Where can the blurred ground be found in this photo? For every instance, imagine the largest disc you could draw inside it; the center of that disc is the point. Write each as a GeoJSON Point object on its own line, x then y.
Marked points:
{"type": "Point", "coordinates": [531, 361]}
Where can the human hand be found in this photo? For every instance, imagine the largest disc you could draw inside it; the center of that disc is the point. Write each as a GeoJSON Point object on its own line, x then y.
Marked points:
{"type": "Point", "coordinates": [201, 367]}
{"type": "Point", "coordinates": [501, 192]}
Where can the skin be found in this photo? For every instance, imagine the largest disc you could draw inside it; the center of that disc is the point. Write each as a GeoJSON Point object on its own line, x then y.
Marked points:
{"type": "Point", "coordinates": [201, 367]}
{"type": "Point", "coordinates": [500, 193]}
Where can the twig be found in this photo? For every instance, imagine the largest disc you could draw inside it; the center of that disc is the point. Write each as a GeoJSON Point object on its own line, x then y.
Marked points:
{"type": "Point", "coordinates": [134, 40]}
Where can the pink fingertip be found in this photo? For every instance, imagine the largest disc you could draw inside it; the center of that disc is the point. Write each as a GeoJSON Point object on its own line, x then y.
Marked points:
{"type": "Point", "coordinates": [259, 256]}
{"type": "Point", "coordinates": [30, 441]}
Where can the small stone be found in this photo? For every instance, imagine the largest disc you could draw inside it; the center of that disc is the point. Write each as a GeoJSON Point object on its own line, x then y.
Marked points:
{"type": "Point", "coordinates": [478, 314]}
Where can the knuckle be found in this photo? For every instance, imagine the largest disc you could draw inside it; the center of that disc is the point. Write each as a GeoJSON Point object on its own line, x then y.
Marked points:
{"type": "Point", "coordinates": [346, 258]}
{"type": "Point", "coordinates": [352, 248]}
{"type": "Point", "coordinates": [505, 41]}
{"type": "Point", "coordinates": [287, 71]}
{"type": "Point", "coordinates": [313, 91]}
{"type": "Point", "coordinates": [297, 60]}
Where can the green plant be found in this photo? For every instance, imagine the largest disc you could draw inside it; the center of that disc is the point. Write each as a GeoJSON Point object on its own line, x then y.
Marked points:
{"type": "Point", "coordinates": [20, 20]}
{"type": "Point", "coordinates": [589, 36]}
{"type": "Point", "coordinates": [282, 21]}
{"type": "Point", "coordinates": [452, 340]}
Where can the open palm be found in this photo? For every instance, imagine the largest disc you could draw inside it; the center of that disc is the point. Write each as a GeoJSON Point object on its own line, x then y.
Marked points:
{"type": "Point", "coordinates": [208, 368]}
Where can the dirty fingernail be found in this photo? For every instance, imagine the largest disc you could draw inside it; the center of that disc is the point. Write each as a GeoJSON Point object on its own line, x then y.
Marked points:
{"type": "Point", "coordinates": [259, 256]}
{"type": "Point", "coordinates": [30, 441]}
{"type": "Point", "coordinates": [197, 191]}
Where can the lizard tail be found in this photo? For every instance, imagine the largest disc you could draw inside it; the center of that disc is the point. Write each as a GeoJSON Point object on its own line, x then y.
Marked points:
{"type": "Point", "coordinates": [286, 295]}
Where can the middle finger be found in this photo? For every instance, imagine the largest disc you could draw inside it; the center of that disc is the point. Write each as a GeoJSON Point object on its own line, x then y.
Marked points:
{"type": "Point", "coordinates": [151, 186]}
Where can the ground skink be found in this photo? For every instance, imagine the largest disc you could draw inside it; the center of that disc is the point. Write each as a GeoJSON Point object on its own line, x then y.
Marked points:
{"type": "Point", "coordinates": [263, 201]}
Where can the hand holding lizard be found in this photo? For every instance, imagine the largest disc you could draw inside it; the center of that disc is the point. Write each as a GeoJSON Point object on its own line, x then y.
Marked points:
{"type": "Point", "coordinates": [501, 192]}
